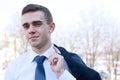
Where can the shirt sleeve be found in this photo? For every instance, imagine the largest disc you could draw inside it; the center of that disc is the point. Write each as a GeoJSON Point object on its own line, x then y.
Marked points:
{"type": "Point", "coordinates": [9, 73]}
{"type": "Point", "coordinates": [67, 76]}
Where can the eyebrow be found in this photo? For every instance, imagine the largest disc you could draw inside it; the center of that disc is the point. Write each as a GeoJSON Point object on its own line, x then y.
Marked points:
{"type": "Point", "coordinates": [36, 21]}
{"type": "Point", "coordinates": [32, 22]}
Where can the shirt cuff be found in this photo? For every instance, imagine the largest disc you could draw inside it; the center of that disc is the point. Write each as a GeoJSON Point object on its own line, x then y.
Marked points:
{"type": "Point", "coordinates": [67, 76]}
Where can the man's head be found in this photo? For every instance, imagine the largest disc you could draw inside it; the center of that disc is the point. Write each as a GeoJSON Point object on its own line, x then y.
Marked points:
{"type": "Point", "coordinates": [35, 7]}
{"type": "Point", "coordinates": [37, 25]}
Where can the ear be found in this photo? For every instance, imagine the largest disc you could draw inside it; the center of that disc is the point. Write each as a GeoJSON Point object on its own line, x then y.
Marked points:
{"type": "Point", "coordinates": [52, 27]}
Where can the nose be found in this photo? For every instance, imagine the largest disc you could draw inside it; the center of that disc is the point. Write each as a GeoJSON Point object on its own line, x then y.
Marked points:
{"type": "Point", "coordinates": [31, 29]}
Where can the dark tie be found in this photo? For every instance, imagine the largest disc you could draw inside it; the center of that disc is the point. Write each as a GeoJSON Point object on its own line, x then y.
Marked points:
{"type": "Point", "coordinates": [40, 73]}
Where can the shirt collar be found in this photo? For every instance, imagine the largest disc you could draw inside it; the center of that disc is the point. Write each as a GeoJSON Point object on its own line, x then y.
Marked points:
{"type": "Point", "coordinates": [47, 53]}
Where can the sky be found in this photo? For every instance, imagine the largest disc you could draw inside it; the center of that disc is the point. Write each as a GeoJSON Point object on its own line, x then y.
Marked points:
{"type": "Point", "coordinates": [67, 14]}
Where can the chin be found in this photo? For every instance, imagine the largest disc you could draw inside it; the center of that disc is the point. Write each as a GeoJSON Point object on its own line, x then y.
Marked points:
{"type": "Point", "coordinates": [35, 45]}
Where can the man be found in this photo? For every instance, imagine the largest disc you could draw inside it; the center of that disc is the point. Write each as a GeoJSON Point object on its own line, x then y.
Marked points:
{"type": "Point", "coordinates": [59, 64]}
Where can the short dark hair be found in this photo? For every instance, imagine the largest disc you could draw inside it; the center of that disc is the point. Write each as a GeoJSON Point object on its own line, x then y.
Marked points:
{"type": "Point", "coordinates": [36, 7]}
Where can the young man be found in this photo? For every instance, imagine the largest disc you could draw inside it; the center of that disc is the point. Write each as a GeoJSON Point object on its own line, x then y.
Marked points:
{"type": "Point", "coordinates": [59, 64]}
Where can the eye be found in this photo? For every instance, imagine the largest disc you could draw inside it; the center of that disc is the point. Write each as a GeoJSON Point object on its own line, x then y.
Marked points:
{"type": "Point", "coordinates": [25, 26]}
{"type": "Point", "coordinates": [37, 23]}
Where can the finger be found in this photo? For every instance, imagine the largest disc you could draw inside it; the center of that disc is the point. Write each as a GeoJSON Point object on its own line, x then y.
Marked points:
{"type": "Point", "coordinates": [56, 50]}
{"type": "Point", "coordinates": [53, 59]}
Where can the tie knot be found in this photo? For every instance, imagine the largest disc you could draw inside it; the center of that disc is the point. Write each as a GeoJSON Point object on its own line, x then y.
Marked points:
{"type": "Point", "coordinates": [39, 59]}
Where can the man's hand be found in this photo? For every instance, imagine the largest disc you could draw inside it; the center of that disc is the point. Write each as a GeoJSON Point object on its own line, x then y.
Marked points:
{"type": "Point", "coordinates": [57, 63]}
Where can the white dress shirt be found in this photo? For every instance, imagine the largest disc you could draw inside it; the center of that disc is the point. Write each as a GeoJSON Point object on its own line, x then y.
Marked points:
{"type": "Point", "coordinates": [23, 67]}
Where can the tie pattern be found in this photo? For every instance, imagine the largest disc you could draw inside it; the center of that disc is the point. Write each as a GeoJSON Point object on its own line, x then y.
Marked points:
{"type": "Point", "coordinates": [39, 72]}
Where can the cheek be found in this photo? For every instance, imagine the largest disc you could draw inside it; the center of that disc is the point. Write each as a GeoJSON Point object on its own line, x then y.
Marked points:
{"type": "Point", "coordinates": [45, 34]}
{"type": "Point", "coordinates": [25, 34]}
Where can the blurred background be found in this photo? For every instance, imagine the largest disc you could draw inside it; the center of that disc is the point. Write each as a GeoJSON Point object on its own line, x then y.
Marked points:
{"type": "Point", "coordinates": [90, 28]}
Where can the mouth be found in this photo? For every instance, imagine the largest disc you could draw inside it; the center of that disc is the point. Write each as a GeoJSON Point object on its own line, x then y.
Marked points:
{"type": "Point", "coordinates": [33, 37]}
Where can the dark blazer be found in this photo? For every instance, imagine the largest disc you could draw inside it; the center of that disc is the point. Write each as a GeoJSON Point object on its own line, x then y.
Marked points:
{"type": "Point", "coordinates": [77, 67]}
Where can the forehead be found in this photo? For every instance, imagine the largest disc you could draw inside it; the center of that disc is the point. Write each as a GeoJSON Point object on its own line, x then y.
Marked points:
{"type": "Point", "coordinates": [33, 16]}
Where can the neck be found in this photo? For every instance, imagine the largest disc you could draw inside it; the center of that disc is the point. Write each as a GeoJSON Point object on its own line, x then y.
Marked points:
{"type": "Point", "coordinates": [42, 49]}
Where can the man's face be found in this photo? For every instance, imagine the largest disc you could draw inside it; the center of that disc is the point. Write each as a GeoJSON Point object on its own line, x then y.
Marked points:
{"type": "Point", "coordinates": [36, 29]}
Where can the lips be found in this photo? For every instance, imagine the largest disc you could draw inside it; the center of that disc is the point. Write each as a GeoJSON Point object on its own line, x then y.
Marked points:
{"type": "Point", "coordinates": [33, 37]}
